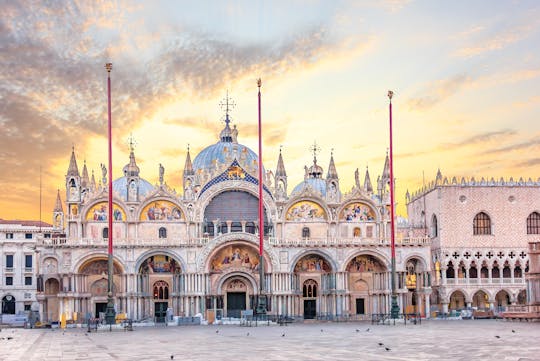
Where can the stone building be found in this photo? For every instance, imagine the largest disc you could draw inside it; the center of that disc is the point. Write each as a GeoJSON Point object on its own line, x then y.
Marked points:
{"type": "Point", "coordinates": [326, 252]}
{"type": "Point", "coordinates": [18, 265]}
{"type": "Point", "coordinates": [479, 231]}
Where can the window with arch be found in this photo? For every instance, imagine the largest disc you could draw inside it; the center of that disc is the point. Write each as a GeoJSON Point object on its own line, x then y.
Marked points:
{"type": "Point", "coordinates": [481, 224]}
{"type": "Point", "coordinates": [162, 233]}
{"type": "Point", "coordinates": [533, 223]}
{"type": "Point", "coordinates": [357, 232]}
{"type": "Point", "coordinates": [309, 289]}
{"type": "Point", "coordinates": [434, 226]}
{"type": "Point", "coordinates": [305, 232]}
{"type": "Point", "coordinates": [105, 232]}
{"type": "Point", "coordinates": [250, 227]}
{"type": "Point", "coordinates": [161, 290]}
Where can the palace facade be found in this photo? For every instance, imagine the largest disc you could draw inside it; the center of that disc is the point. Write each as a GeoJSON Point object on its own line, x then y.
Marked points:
{"type": "Point", "coordinates": [326, 252]}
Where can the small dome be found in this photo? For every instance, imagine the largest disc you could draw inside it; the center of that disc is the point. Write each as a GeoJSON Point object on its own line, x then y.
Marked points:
{"type": "Point", "coordinates": [120, 186]}
{"type": "Point", "coordinates": [316, 183]}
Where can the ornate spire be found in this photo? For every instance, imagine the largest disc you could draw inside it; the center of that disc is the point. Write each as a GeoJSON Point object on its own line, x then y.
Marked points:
{"type": "Point", "coordinates": [315, 171]}
{"type": "Point", "coordinates": [188, 167]}
{"type": "Point", "coordinates": [367, 182]}
{"type": "Point", "coordinates": [227, 135]}
{"type": "Point", "coordinates": [73, 170]}
{"type": "Point", "coordinates": [131, 169]}
{"type": "Point", "coordinates": [58, 205]}
{"type": "Point", "coordinates": [438, 178]}
{"type": "Point", "coordinates": [85, 182]}
{"type": "Point", "coordinates": [332, 172]}
{"type": "Point", "coordinates": [93, 182]}
{"type": "Point", "coordinates": [280, 170]}
{"type": "Point", "coordinates": [386, 169]}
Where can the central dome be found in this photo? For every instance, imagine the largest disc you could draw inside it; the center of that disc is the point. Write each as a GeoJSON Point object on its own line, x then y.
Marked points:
{"type": "Point", "coordinates": [224, 152]}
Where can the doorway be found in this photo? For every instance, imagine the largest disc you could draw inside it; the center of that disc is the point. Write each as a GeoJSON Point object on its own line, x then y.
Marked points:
{"type": "Point", "coordinates": [236, 302]}
{"type": "Point", "coordinates": [160, 311]}
{"type": "Point", "coordinates": [101, 307]}
{"type": "Point", "coordinates": [310, 309]}
{"type": "Point", "coordinates": [360, 306]}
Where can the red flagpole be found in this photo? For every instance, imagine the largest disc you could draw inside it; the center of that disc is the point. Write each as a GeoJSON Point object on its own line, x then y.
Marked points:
{"type": "Point", "coordinates": [261, 220]}
{"type": "Point", "coordinates": [394, 309]}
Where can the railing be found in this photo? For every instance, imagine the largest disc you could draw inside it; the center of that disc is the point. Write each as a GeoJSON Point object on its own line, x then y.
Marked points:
{"type": "Point", "coordinates": [487, 281]}
{"type": "Point", "coordinates": [199, 242]}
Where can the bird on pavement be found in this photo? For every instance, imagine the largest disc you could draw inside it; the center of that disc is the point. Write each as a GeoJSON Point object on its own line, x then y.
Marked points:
{"type": "Point", "coordinates": [283, 335]}
{"type": "Point", "coordinates": [381, 344]}
{"type": "Point", "coordinates": [172, 356]}
{"type": "Point", "coordinates": [367, 330]}
{"type": "Point", "coordinates": [387, 348]}
{"type": "Point", "coordinates": [513, 331]}
{"type": "Point", "coordinates": [497, 336]}
{"type": "Point", "coordinates": [357, 330]}
{"type": "Point", "coordinates": [217, 331]}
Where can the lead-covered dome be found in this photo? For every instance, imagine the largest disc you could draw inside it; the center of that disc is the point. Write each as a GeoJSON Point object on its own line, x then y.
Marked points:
{"type": "Point", "coordinates": [317, 184]}
{"type": "Point", "coordinates": [120, 186]}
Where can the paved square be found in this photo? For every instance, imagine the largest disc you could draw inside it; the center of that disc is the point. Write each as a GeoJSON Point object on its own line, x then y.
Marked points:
{"type": "Point", "coordinates": [432, 340]}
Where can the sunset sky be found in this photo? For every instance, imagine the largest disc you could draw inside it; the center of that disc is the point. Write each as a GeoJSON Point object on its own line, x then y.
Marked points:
{"type": "Point", "coordinates": [466, 77]}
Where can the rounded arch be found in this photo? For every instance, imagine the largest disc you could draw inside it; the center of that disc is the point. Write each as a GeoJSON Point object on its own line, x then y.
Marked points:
{"type": "Point", "coordinates": [326, 257]}
{"type": "Point", "coordinates": [204, 257]}
{"type": "Point", "coordinates": [306, 209]}
{"type": "Point", "coordinates": [382, 258]}
{"type": "Point", "coordinates": [8, 304]}
{"type": "Point", "coordinates": [424, 266]}
{"type": "Point", "coordinates": [457, 299]}
{"type": "Point", "coordinates": [353, 210]}
{"type": "Point", "coordinates": [162, 209]}
{"type": "Point", "coordinates": [87, 259]}
{"type": "Point", "coordinates": [52, 286]}
{"type": "Point", "coordinates": [235, 255]}
{"type": "Point", "coordinates": [226, 186]}
{"type": "Point", "coordinates": [97, 210]}
{"type": "Point", "coordinates": [236, 274]}
{"type": "Point", "coordinates": [142, 258]}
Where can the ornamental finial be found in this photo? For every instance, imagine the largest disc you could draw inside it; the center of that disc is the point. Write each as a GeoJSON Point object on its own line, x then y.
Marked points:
{"type": "Point", "coordinates": [390, 95]}
{"type": "Point", "coordinates": [108, 66]}
{"type": "Point", "coordinates": [259, 83]}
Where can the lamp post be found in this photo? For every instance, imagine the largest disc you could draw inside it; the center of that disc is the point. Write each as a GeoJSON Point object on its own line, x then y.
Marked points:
{"type": "Point", "coordinates": [261, 300]}
{"type": "Point", "coordinates": [394, 310]}
{"type": "Point", "coordinates": [109, 312]}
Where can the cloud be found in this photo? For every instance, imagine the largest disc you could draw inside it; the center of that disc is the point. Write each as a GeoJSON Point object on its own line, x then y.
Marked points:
{"type": "Point", "coordinates": [479, 138]}
{"type": "Point", "coordinates": [533, 143]}
{"type": "Point", "coordinates": [438, 91]}
{"type": "Point", "coordinates": [533, 162]}
{"type": "Point", "coordinates": [497, 41]}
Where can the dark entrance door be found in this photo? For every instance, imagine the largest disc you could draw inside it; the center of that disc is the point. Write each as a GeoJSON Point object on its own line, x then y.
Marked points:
{"type": "Point", "coordinates": [8, 305]}
{"type": "Point", "coordinates": [236, 302]}
{"type": "Point", "coordinates": [101, 307]}
{"type": "Point", "coordinates": [360, 306]}
{"type": "Point", "coordinates": [160, 311]}
{"type": "Point", "coordinates": [310, 309]}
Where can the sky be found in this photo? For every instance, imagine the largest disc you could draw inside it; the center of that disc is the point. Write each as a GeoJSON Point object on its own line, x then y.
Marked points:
{"type": "Point", "coordinates": [465, 76]}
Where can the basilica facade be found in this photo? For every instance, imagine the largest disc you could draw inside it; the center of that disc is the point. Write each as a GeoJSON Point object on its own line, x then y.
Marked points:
{"type": "Point", "coordinates": [326, 252]}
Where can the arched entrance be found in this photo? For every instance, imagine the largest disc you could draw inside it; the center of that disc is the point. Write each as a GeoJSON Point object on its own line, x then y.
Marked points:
{"type": "Point", "coordinates": [457, 301]}
{"type": "Point", "coordinates": [502, 300]}
{"type": "Point", "coordinates": [8, 305]}
{"type": "Point", "coordinates": [93, 274]}
{"type": "Point", "coordinates": [480, 300]}
{"type": "Point", "coordinates": [52, 287]}
{"type": "Point", "coordinates": [314, 275]}
{"type": "Point", "coordinates": [364, 271]}
{"type": "Point", "coordinates": [160, 278]}
{"type": "Point", "coordinates": [238, 295]}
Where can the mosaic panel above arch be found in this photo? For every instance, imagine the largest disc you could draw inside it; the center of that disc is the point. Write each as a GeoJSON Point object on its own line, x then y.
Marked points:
{"type": "Point", "coordinates": [100, 212]}
{"type": "Point", "coordinates": [305, 211]}
{"type": "Point", "coordinates": [365, 263]}
{"type": "Point", "coordinates": [161, 211]}
{"type": "Point", "coordinates": [160, 263]}
{"type": "Point", "coordinates": [98, 267]}
{"type": "Point", "coordinates": [357, 212]}
{"type": "Point", "coordinates": [312, 263]}
{"type": "Point", "coordinates": [235, 256]}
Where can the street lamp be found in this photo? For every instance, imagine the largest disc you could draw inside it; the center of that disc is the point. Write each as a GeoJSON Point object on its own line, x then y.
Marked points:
{"type": "Point", "coordinates": [394, 310]}
{"type": "Point", "coordinates": [261, 300]}
{"type": "Point", "coordinates": [109, 312]}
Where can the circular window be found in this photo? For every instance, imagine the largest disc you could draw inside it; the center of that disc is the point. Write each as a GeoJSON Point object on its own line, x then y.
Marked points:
{"type": "Point", "coordinates": [462, 199]}
{"type": "Point", "coordinates": [512, 199]}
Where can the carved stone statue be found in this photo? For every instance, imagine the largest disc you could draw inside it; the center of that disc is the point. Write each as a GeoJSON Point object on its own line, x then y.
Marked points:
{"type": "Point", "coordinates": [357, 178]}
{"type": "Point", "coordinates": [161, 173]}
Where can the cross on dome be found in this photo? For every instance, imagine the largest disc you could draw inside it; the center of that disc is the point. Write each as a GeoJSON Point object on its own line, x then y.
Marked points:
{"type": "Point", "coordinates": [227, 104]}
{"type": "Point", "coordinates": [131, 142]}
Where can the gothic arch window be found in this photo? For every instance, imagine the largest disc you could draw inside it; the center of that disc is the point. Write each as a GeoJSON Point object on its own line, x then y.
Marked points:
{"type": "Point", "coordinates": [533, 223]}
{"type": "Point", "coordinates": [105, 232]}
{"type": "Point", "coordinates": [162, 232]}
{"type": "Point", "coordinates": [481, 224]}
{"type": "Point", "coordinates": [434, 226]}
{"type": "Point", "coordinates": [450, 270]}
{"type": "Point", "coordinates": [309, 289]}
{"type": "Point", "coordinates": [161, 290]}
{"type": "Point", "coordinates": [305, 232]}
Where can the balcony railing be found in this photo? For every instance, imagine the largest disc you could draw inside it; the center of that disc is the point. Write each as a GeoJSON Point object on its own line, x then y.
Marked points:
{"type": "Point", "coordinates": [199, 242]}
{"type": "Point", "coordinates": [484, 281]}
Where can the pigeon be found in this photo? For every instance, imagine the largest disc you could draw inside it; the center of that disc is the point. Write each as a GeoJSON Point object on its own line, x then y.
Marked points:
{"type": "Point", "coordinates": [513, 331]}
{"type": "Point", "coordinates": [357, 330]}
{"type": "Point", "coordinates": [322, 330]}
{"type": "Point", "coordinates": [247, 334]}
{"type": "Point", "coordinates": [367, 330]}
{"type": "Point", "coordinates": [217, 331]}
{"type": "Point", "coordinates": [387, 348]}
{"type": "Point", "coordinates": [497, 336]}
{"type": "Point", "coordinates": [9, 338]}
{"type": "Point", "coordinates": [380, 343]}
{"type": "Point", "coordinates": [172, 356]}
{"type": "Point", "coordinates": [283, 335]}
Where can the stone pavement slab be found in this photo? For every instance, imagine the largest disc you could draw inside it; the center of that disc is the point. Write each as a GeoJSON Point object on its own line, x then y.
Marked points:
{"type": "Point", "coordinates": [432, 340]}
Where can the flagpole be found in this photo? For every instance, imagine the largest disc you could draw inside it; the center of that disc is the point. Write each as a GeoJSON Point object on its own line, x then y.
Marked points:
{"type": "Point", "coordinates": [261, 300]}
{"type": "Point", "coordinates": [109, 312]}
{"type": "Point", "coordinates": [394, 310]}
